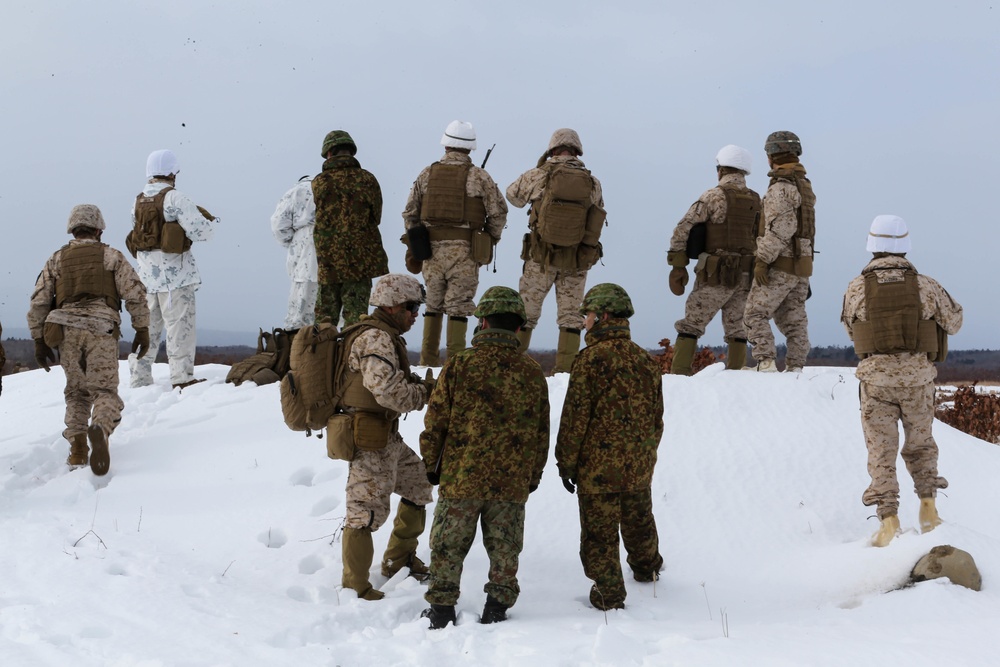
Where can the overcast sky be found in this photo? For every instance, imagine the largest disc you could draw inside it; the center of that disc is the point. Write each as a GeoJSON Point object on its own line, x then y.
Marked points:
{"type": "Point", "coordinates": [897, 105]}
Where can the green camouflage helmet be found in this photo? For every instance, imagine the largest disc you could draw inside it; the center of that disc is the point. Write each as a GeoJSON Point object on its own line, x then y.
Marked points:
{"type": "Point", "coordinates": [498, 300]}
{"type": "Point", "coordinates": [782, 141]}
{"type": "Point", "coordinates": [607, 298]}
{"type": "Point", "coordinates": [338, 138]}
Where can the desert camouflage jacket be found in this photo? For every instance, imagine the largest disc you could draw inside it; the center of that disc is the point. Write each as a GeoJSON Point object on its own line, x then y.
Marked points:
{"type": "Point", "coordinates": [906, 369]}
{"type": "Point", "coordinates": [348, 203]}
{"type": "Point", "coordinates": [488, 421]}
{"type": "Point", "coordinates": [612, 418]}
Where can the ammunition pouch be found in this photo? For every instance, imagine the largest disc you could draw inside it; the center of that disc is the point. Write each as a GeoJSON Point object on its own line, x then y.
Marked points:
{"type": "Point", "coordinates": [569, 258]}
{"type": "Point", "coordinates": [53, 334]}
{"type": "Point", "coordinates": [418, 240]}
{"type": "Point", "coordinates": [371, 431]}
{"type": "Point", "coordinates": [588, 255]}
{"type": "Point", "coordinates": [725, 270]}
{"type": "Point", "coordinates": [340, 437]}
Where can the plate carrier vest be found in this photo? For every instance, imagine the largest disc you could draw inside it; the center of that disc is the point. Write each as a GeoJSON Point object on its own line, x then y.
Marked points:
{"type": "Point", "coordinates": [797, 265]}
{"type": "Point", "coordinates": [82, 275]}
{"type": "Point", "coordinates": [892, 301]}
{"type": "Point", "coordinates": [154, 232]}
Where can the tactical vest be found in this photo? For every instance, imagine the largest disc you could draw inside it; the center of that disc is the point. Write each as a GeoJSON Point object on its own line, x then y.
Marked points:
{"type": "Point", "coordinates": [82, 275]}
{"type": "Point", "coordinates": [154, 232]}
{"type": "Point", "coordinates": [356, 395]}
{"type": "Point", "coordinates": [892, 301]}
{"type": "Point", "coordinates": [799, 265]}
{"type": "Point", "coordinates": [446, 204]}
{"type": "Point", "coordinates": [736, 234]}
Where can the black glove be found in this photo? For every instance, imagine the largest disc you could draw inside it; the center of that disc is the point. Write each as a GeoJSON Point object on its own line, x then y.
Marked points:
{"type": "Point", "coordinates": [570, 484]}
{"type": "Point", "coordinates": [141, 342]}
{"type": "Point", "coordinates": [532, 488]}
{"type": "Point", "coordinates": [44, 354]}
{"type": "Point", "coordinates": [434, 478]}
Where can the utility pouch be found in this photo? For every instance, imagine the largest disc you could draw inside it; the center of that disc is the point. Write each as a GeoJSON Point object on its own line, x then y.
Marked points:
{"type": "Point", "coordinates": [595, 224]}
{"type": "Point", "coordinates": [482, 247]}
{"type": "Point", "coordinates": [172, 239]}
{"type": "Point", "coordinates": [340, 437]}
{"type": "Point", "coordinates": [587, 255]}
{"type": "Point", "coordinates": [52, 334]}
{"type": "Point", "coordinates": [371, 431]}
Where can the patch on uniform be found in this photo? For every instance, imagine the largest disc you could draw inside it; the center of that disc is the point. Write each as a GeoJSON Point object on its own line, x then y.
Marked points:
{"type": "Point", "coordinates": [885, 277]}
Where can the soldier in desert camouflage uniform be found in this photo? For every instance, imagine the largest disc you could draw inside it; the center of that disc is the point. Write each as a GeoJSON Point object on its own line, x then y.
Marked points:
{"type": "Point", "coordinates": [349, 249]}
{"type": "Point", "coordinates": [379, 389]}
{"type": "Point", "coordinates": [728, 213]}
{"type": "Point", "coordinates": [784, 258]}
{"type": "Point", "coordinates": [87, 281]}
{"type": "Point", "coordinates": [486, 440]}
{"type": "Point", "coordinates": [547, 263]}
{"type": "Point", "coordinates": [457, 202]}
{"type": "Point", "coordinates": [899, 321]}
{"type": "Point", "coordinates": [610, 429]}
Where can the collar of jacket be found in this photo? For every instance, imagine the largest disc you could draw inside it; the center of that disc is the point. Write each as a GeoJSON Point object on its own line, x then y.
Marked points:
{"type": "Point", "coordinates": [787, 171]}
{"type": "Point", "coordinates": [501, 337]}
{"type": "Point", "coordinates": [610, 329]}
{"type": "Point", "coordinates": [385, 318]}
{"type": "Point", "coordinates": [887, 262]}
{"type": "Point", "coordinates": [341, 162]}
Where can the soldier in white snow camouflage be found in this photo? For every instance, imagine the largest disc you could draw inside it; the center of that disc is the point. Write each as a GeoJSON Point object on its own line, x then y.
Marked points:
{"type": "Point", "coordinates": [292, 225]}
{"type": "Point", "coordinates": [456, 202]}
{"type": "Point", "coordinates": [899, 321]}
{"type": "Point", "coordinates": [165, 224]}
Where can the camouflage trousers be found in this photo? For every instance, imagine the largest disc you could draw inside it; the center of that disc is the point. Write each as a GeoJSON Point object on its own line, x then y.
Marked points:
{"type": "Point", "coordinates": [784, 299]}
{"type": "Point", "coordinates": [172, 312]}
{"type": "Point", "coordinates": [452, 278]}
{"type": "Point", "coordinates": [882, 408]}
{"type": "Point", "coordinates": [706, 300]}
{"type": "Point", "coordinates": [536, 281]}
{"type": "Point", "coordinates": [90, 361]}
{"type": "Point", "coordinates": [376, 475]}
{"type": "Point", "coordinates": [602, 516]}
{"type": "Point", "coordinates": [301, 304]}
{"type": "Point", "coordinates": [351, 297]}
{"type": "Point", "coordinates": [452, 534]}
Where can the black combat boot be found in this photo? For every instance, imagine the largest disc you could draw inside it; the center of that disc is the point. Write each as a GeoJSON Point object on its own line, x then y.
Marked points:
{"type": "Point", "coordinates": [440, 615]}
{"type": "Point", "coordinates": [493, 611]}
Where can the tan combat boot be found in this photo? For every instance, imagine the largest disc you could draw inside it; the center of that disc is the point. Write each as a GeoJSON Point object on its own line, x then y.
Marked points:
{"type": "Point", "coordinates": [457, 326]}
{"type": "Point", "coordinates": [358, 553]}
{"type": "Point", "coordinates": [430, 350]}
{"type": "Point", "coordinates": [683, 354]}
{"type": "Point", "coordinates": [100, 457]}
{"type": "Point", "coordinates": [569, 345]}
{"type": "Point", "coordinates": [402, 548]}
{"type": "Point", "coordinates": [929, 518]}
{"type": "Point", "coordinates": [888, 530]}
{"type": "Point", "coordinates": [78, 451]}
{"type": "Point", "coordinates": [765, 366]}
{"type": "Point", "coordinates": [736, 355]}
{"type": "Point", "coordinates": [524, 338]}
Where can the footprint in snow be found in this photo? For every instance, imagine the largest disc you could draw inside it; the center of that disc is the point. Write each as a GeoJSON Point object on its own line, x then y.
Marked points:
{"type": "Point", "coordinates": [273, 538]}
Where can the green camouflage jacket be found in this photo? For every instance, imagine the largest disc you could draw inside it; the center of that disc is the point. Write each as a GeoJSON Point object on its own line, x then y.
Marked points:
{"type": "Point", "coordinates": [487, 421]}
{"type": "Point", "coordinates": [612, 417]}
{"type": "Point", "coordinates": [348, 212]}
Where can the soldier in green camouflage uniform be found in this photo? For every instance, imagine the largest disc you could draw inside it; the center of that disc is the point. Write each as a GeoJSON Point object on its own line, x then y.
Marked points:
{"type": "Point", "coordinates": [486, 440]}
{"type": "Point", "coordinates": [348, 243]}
{"type": "Point", "coordinates": [611, 425]}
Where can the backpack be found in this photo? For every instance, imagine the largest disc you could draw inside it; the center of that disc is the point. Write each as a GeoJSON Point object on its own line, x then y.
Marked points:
{"type": "Point", "coordinates": [564, 212]}
{"type": "Point", "coordinates": [308, 396]}
{"type": "Point", "coordinates": [269, 364]}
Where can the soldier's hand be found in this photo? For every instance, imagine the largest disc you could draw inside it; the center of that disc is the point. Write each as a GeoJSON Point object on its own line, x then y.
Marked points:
{"type": "Point", "coordinates": [434, 478]}
{"type": "Point", "coordinates": [430, 382]}
{"type": "Point", "coordinates": [44, 354]}
{"type": "Point", "coordinates": [760, 273]}
{"type": "Point", "coordinates": [570, 484]}
{"type": "Point", "coordinates": [678, 280]}
{"type": "Point", "coordinates": [206, 214]}
{"type": "Point", "coordinates": [141, 342]}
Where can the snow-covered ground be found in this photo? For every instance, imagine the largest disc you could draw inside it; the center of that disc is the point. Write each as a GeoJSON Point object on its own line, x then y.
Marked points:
{"type": "Point", "coordinates": [214, 541]}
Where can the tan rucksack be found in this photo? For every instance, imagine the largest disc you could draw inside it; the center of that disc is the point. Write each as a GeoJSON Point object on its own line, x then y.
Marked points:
{"type": "Point", "coordinates": [308, 399]}
{"type": "Point", "coordinates": [565, 213]}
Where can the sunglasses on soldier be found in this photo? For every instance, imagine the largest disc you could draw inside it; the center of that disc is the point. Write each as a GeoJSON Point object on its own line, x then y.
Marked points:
{"type": "Point", "coordinates": [413, 306]}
